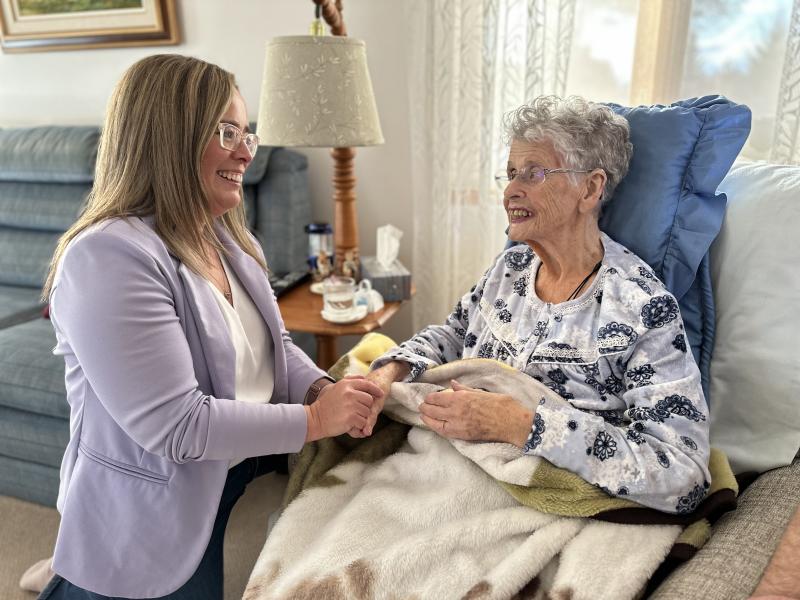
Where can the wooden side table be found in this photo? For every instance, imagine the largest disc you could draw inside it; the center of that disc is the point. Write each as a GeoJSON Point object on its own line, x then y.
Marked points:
{"type": "Point", "coordinates": [300, 310]}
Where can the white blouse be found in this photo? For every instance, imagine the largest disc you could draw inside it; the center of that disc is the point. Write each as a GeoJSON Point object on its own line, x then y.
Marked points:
{"type": "Point", "coordinates": [255, 370]}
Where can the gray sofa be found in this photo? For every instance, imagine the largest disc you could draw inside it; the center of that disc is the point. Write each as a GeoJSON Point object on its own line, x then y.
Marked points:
{"type": "Point", "coordinates": [45, 174]}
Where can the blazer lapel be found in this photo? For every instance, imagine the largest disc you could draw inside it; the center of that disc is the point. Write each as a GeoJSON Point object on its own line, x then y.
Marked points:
{"type": "Point", "coordinates": [255, 281]}
{"type": "Point", "coordinates": [216, 343]}
{"type": "Point", "coordinates": [215, 338]}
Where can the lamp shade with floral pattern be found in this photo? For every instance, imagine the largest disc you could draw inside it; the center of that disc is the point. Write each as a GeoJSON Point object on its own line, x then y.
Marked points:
{"type": "Point", "coordinates": [316, 91]}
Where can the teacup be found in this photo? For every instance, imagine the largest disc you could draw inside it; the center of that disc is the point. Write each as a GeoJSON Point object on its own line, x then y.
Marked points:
{"type": "Point", "coordinates": [338, 296]}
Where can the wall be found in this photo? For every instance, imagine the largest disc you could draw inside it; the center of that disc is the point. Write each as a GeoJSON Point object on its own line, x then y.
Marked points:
{"type": "Point", "coordinates": [73, 87]}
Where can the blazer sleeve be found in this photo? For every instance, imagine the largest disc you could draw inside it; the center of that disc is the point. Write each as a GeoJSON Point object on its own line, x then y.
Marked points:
{"type": "Point", "coordinates": [301, 370]}
{"type": "Point", "coordinates": [115, 309]}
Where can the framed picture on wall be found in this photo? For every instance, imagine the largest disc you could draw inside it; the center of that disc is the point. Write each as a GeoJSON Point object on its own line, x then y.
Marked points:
{"type": "Point", "coordinates": [42, 25]}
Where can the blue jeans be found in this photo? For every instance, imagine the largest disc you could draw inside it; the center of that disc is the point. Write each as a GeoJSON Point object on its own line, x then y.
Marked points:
{"type": "Point", "coordinates": [207, 581]}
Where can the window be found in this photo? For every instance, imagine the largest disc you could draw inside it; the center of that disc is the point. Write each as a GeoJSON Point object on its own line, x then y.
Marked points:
{"type": "Point", "coordinates": [737, 48]}
{"type": "Point", "coordinates": [646, 52]}
{"type": "Point", "coordinates": [601, 60]}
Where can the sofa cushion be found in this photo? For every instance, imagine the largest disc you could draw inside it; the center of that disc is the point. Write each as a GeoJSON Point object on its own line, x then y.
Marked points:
{"type": "Point", "coordinates": [28, 436]}
{"type": "Point", "coordinates": [31, 376]}
{"type": "Point", "coordinates": [60, 154]}
{"type": "Point", "coordinates": [755, 373]}
{"type": "Point", "coordinates": [667, 209]}
{"type": "Point", "coordinates": [18, 304]}
{"type": "Point", "coordinates": [25, 256]}
{"type": "Point", "coordinates": [28, 481]}
{"type": "Point", "coordinates": [44, 206]}
{"type": "Point", "coordinates": [250, 205]}
{"type": "Point", "coordinates": [255, 171]}
{"type": "Point", "coordinates": [283, 159]}
{"type": "Point", "coordinates": [283, 212]}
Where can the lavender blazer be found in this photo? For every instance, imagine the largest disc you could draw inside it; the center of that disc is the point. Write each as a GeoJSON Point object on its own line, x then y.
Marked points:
{"type": "Point", "coordinates": [150, 374]}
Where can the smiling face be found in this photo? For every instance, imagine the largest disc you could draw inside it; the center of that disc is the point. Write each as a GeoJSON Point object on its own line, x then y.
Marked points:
{"type": "Point", "coordinates": [222, 170]}
{"type": "Point", "coordinates": [536, 212]}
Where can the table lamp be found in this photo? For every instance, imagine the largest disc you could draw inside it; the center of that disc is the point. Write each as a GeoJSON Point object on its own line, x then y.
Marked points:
{"type": "Point", "coordinates": [316, 91]}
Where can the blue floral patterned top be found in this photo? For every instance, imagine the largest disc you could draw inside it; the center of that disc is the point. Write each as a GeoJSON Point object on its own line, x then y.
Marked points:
{"type": "Point", "coordinates": [633, 419]}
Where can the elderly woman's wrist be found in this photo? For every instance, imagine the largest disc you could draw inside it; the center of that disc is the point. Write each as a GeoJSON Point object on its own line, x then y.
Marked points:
{"type": "Point", "coordinates": [521, 428]}
{"type": "Point", "coordinates": [401, 370]}
{"type": "Point", "coordinates": [396, 370]}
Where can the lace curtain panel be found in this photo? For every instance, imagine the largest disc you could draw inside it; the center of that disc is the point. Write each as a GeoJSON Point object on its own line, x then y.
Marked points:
{"type": "Point", "coordinates": [786, 140]}
{"type": "Point", "coordinates": [472, 61]}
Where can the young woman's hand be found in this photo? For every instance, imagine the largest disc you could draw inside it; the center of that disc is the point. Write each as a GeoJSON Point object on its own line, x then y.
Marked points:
{"type": "Point", "coordinates": [342, 407]}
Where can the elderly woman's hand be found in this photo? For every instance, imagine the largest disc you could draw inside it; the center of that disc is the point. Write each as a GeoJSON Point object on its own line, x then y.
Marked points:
{"type": "Point", "coordinates": [467, 413]}
{"type": "Point", "coordinates": [383, 378]}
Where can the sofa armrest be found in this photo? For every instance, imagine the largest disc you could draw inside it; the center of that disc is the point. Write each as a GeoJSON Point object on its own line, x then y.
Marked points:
{"type": "Point", "coordinates": [732, 562]}
{"type": "Point", "coordinates": [283, 208]}
{"type": "Point", "coordinates": [782, 577]}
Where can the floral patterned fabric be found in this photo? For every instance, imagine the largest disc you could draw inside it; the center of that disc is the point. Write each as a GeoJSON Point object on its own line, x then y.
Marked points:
{"type": "Point", "coordinates": [633, 419]}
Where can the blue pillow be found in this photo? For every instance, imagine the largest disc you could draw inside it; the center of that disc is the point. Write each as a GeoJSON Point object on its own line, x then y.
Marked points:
{"type": "Point", "coordinates": [667, 209]}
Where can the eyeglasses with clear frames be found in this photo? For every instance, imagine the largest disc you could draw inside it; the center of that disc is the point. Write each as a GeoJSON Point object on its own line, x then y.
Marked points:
{"type": "Point", "coordinates": [530, 175]}
{"type": "Point", "coordinates": [231, 136]}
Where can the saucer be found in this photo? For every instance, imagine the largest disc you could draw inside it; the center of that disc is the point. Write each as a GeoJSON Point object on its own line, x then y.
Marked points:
{"type": "Point", "coordinates": [355, 315]}
{"type": "Point", "coordinates": [316, 288]}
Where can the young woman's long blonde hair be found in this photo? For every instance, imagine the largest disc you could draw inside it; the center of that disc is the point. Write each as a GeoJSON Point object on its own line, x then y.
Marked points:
{"type": "Point", "coordinates": [159, 120]}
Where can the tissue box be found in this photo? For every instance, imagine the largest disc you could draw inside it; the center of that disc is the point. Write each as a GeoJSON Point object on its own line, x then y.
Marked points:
{"type": "Point", "coordinates": [393, 283]}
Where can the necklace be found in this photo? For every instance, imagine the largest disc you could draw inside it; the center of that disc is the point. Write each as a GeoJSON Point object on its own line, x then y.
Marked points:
{"type": "Point", "coordinates": [223, 287]}
{"type": "Point", "coordinates": [574, 294]}
{"type": "Point", "coordinates": [226, 291]}
{"type": "Point", "coordinates": [222, 283]}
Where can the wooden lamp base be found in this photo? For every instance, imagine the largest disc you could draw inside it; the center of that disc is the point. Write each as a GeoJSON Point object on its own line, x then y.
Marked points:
{"type": "Point", "coordinates": [345, 218]}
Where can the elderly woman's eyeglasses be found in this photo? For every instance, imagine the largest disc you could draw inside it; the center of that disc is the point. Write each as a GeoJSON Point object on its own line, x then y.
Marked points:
{"type": "Point", "coordinates": [530, 175]}
{"type": "Point", "coordinates": [231, 136]}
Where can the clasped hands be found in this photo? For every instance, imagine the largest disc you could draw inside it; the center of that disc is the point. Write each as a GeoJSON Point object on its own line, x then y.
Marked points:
{"type": "Point", "coordinates": [353, 404]}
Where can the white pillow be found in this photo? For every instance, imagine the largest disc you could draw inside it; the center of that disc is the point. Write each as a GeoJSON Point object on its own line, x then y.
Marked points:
{"type": "Point", "coordinates": [755, 369]}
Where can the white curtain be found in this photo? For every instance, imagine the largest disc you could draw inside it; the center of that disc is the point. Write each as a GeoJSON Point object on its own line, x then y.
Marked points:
{"type": "Point", "coordinates": [786, 140]}
{"type": "Point", "coordinates": [472, 60]}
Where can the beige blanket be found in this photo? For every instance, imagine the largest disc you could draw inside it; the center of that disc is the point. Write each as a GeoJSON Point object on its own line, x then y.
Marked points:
{"type": "Point", "coordinates": [409, 514]}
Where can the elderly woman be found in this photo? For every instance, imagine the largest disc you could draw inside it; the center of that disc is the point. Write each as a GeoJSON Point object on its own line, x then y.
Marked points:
{"type": "Point", "coordinates": [578, 312]}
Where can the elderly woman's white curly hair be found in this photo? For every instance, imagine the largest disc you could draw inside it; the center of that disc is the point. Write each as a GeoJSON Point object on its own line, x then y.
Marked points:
{"type": "Point", "coordinates": [585, 134]}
